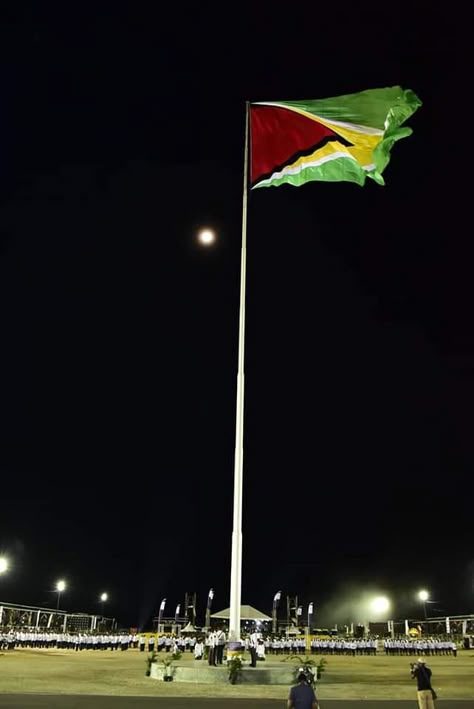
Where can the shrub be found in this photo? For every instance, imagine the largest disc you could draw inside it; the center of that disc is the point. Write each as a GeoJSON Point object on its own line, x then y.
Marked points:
{"type": "Point", "coordinates": [234, 665]}
{"type": "Point", "coordinates": [149, 661]}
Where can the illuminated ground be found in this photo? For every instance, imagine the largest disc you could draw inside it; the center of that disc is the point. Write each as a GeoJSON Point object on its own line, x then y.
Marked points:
{"type": "Point", "coordinates": [49, 701]}
{"type": "Point", "coordinates": [123, 673]}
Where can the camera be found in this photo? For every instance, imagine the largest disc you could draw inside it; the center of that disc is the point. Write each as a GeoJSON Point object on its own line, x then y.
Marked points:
{"type": "Point", "coordinates": [308, 674]}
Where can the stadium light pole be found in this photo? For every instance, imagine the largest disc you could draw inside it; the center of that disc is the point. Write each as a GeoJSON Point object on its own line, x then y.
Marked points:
{"type": "Point", "coordinates": [424, 596]}
{"type": "Point", "coordinates": [60, 587]}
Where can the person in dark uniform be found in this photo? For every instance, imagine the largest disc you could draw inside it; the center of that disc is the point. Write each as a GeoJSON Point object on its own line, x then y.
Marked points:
{"type": "Point", "coordinates": [302, 696]}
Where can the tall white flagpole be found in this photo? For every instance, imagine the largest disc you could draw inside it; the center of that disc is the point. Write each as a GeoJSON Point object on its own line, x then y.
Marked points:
{"type": "Point", "coordinates": [236, 567]}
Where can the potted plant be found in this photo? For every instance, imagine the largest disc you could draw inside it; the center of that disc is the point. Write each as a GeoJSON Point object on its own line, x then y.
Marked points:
{"type": "Point", "coordinates": [320, 667]}
{"type": "Point", "coordinates": [149, 661]}
{"type": "Point", "coordinates": [234, 666]}
{"type": "Point", "coordinates": [167, 664]}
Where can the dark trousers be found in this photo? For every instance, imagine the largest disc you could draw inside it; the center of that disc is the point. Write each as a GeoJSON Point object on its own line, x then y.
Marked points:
{"type": "Point", "coordinates": [219, 654]}
{"type": "Point", "coordinates": [253, 656]}
{"type": "Point", "coordinates": [211, 658]}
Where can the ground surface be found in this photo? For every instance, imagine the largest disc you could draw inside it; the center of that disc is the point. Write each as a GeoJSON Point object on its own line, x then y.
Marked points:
{"type": "Point", "coordinates": [47, 672]}
{"type": "Point", "coordinates": [20, 701]}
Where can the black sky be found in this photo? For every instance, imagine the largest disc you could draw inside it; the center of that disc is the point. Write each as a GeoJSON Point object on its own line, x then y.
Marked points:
{"type": "Point", "coordinates": [121, 134]}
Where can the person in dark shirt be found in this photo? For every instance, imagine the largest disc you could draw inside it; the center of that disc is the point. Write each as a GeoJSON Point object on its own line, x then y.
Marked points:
{"type": "Point", "coordinates": [422, 674]}
{"type": "Point", "coordinates": [302, 696]}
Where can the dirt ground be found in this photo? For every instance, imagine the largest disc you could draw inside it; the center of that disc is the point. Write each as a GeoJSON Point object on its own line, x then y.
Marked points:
{"type": "Point", "coordinates": [123, 673]}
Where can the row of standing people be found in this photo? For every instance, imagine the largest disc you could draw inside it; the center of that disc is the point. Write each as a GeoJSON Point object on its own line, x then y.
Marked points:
{"type": "Point", "coordinates": [340, 646]}
{"type": "Point", "coordinates": [428, 646]}
{"type": "Point", "coordinates": [9, 640]}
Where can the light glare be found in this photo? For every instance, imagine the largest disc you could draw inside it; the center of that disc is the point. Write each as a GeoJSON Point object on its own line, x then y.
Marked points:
{"type": "Point", "coordinates": [104, 597]}
{"type": "Point", "coordinates": [3, 564]}
{"type": "Point", "coordinates": [380, 604]}
{"type": "Point", "coordinates": [423, 595]}
{"type": "Point", "coordinates": [206, 237]}
{"type": "Point", "coordinates": [61, 586]}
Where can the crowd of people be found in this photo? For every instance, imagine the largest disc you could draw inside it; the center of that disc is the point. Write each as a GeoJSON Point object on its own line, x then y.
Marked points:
{"type": "Point", "coordinates": [210, 644]}
{"type": "Point", "coordinates": [11, 639]}
{"type": "Point", "coordinates": [425, 646]}
{"type": "Point", "coordinates": [341, 646]}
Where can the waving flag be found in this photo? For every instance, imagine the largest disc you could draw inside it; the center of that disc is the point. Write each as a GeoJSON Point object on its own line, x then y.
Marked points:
{"type": "Point", "coordinates": [347, 138]}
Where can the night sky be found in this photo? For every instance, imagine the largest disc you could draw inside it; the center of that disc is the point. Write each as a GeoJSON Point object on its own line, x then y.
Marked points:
{"type": "Point", "coordinates": [121, 134]}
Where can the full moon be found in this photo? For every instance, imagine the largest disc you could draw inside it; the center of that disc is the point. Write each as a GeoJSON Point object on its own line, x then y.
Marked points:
{"type": "Point", "coordinates": [206, 237]}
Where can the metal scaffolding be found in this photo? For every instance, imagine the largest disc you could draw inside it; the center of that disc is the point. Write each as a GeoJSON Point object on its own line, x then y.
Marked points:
{"type": "Point", "coordinates": [21, 617]}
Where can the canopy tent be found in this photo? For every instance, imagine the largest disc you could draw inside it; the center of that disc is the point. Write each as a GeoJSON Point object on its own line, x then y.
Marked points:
{"type": "Point", "coordinates": [246, 613]}
{"type": "Point", "coordinates": [189, 628]}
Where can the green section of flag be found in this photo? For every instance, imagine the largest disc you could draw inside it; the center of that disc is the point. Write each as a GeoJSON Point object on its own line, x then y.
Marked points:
{"type": "Point", "coordinates": [371, 108]}
{"type": "Point", "coordinates": [343, 169]}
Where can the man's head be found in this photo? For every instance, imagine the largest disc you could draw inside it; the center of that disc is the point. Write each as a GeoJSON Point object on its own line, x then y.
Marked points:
{"type": "Point", "coordinates": [302, 677]}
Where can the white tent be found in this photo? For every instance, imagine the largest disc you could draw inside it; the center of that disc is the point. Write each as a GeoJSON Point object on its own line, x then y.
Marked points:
{"type": "Point", "coordinates": [246, 613]}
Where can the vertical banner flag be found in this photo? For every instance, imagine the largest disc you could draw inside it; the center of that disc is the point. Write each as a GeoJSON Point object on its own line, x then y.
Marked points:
{"type": "Point", "coordinates": [310, 608]}
{"type": "Point", "coordinates": [346, 138]}
{"type": "Point", "coordinates": [176, 614]}
{"type": "Point", "coordinates": [299, 611]}
{"type": "Point", "coordinates": [162, 608]}
{"type": "Point", "coordinates": [210, 596]}
{"type": "Point", "coordinates": [276, 601]}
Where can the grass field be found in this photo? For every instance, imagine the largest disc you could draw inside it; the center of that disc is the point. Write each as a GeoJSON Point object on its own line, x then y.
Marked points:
{"type": "Point", "coordinates": [123, 673]}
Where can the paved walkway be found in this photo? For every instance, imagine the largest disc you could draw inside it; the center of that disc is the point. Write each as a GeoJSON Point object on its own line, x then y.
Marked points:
{"type": "Point", "coordinates": [47, 701]}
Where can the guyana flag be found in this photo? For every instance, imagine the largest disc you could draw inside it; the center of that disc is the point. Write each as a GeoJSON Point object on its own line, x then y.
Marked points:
{"type": "Point", "coordinates": [347, 138]}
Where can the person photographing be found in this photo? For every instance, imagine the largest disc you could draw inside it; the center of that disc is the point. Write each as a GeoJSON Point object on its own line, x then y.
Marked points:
{"type": "Point", "coordinates": [425, 692]}
{"type": "Point", "coordinates": [302, 696]}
